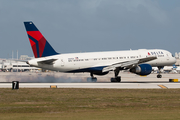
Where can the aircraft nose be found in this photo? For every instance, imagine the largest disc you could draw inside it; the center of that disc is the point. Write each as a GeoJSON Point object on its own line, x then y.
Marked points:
{"type": "Point", "coordinates": [174, 59]}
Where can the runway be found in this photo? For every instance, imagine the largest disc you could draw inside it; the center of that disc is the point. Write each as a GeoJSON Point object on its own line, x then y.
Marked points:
{"type": "Point", "coordinates": [66, 80]}
{"type": "Point", "coordinates": [96, 85]}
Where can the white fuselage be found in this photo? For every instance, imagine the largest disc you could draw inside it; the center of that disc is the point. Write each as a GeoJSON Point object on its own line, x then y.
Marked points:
{"type": "Point", "coordinates": [79, 62]}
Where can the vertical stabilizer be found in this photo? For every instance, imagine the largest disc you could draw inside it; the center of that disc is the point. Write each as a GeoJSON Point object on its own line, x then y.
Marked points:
{"type": "Point", "coordinates": [40, 46]}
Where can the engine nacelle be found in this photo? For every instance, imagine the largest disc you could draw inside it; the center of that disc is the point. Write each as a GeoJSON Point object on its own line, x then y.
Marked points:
{"type": "Point", "coordinates": [142, 69]}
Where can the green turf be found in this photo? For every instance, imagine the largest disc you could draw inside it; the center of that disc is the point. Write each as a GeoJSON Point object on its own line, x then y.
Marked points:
{"type": "Point", "coordinates": [88, 104]}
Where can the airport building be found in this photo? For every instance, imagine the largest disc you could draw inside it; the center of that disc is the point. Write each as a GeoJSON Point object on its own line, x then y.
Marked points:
{"type": "Point", "coordinates": [177, 62]}
{"type": "Point", "coordinates": [12, 65]}
{"type": "Point", "coordinates": [177, 56]}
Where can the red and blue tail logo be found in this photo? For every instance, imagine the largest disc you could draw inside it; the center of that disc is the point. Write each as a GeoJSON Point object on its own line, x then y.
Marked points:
{"type": "Point", "coordinates": [40, 46]}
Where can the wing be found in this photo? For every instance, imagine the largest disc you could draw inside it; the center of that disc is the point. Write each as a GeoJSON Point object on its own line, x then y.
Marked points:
{"type": "Point", "coordinates": [128, 64]}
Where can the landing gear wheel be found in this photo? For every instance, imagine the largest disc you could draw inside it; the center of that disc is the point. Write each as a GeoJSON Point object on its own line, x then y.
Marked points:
{"type": "Point", "coordinates": [94, 79]}
{"type": "Point", "coordinates": [117, 79]}
{"type": "Point", "coordinates": [159, 76]}
{"type": "Point", "coordinates": [113, 80]}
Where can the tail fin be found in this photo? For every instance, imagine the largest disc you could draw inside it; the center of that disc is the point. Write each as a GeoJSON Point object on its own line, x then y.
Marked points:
{"type": "Point", "coordinates": [40, 46]}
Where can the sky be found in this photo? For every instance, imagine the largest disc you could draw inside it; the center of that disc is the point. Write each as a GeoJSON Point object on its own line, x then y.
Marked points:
{"type": "Point", "coordinates": [91, 25]}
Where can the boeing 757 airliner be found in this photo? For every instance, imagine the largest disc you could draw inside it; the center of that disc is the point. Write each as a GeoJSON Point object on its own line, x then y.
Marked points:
{"type": "Point", "coordinates": [139, 61]}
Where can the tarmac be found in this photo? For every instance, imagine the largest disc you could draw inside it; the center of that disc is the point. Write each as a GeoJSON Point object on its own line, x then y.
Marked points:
{"type": "Point", "coordinates": [78, 80]}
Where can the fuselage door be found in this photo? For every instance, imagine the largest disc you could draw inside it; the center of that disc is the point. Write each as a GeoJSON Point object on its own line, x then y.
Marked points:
{"type": "Point", "coordinates": [167, 56]}
{"type": "Point", "coordinates": [62, 62]}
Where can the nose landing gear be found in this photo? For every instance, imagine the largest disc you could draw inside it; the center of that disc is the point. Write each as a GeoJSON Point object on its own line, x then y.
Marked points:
{"type": "Point", "coordinates": [159, 69]}
{"type": "Point", "coordinates": [159, 76]}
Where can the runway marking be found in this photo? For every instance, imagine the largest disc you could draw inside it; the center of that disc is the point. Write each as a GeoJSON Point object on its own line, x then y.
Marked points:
{"type": "Point", "coordinates": [173, 80]}
{"type": "Point", "coordinates": [163, 87]}
{"type": "Point", "coordinates": [143, 75]}
{"type": "Point", "coordinates": [53, 86]}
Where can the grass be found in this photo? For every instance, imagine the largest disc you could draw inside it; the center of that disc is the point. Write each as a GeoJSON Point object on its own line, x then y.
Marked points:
{"type": "Point", "coordinates": [88, 104]}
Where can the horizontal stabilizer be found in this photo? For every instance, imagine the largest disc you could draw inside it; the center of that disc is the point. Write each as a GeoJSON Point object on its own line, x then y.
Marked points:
{"type": "Point", "coordinates": [50, 61]}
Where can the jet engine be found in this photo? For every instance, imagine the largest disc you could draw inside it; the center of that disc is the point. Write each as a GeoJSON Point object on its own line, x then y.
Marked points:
{"type": "Point", "coordinates": [142, 69]}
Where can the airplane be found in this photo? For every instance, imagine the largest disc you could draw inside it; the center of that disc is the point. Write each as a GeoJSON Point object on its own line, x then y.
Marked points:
{"type": "Point", "coordinates": [139, 61]}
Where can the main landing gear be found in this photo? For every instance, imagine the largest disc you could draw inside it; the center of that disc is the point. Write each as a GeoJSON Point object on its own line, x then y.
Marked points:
{"type": "Point", "coordinates": [159, 69]}
{"type": "Point", "coordinates": [92, 78]}
{"type": "Point", "coordinates": [116, 78]}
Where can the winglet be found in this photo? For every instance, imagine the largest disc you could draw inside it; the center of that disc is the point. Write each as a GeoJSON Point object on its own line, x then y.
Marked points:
{"type": "Point", "coordinates": [40, 46]}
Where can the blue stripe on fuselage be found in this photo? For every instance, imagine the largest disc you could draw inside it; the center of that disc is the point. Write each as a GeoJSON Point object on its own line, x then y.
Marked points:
{"type": "Point", "coordinates": [92, 69]}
